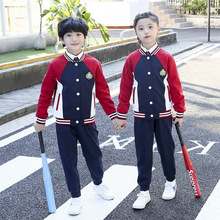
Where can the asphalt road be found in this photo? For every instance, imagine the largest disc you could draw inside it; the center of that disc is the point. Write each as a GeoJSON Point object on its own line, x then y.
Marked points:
{"type": "Point", "coordinates": [199, 73]}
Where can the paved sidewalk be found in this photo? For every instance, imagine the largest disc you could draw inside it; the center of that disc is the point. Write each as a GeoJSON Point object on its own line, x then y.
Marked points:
{"type": "Point", "coordinates": [24, 101]}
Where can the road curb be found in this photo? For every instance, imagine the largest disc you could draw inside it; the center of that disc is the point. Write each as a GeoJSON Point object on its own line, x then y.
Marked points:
{"type": "Point", "coordinates": [31, 72]}
{"type": "Point", "coordinates": [186, 49]}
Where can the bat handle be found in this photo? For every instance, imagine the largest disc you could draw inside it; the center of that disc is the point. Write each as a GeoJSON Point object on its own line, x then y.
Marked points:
{"type": "Point", "coordinates": [40, 136]}
{"type": "Point", "coordinates": [179, 134]}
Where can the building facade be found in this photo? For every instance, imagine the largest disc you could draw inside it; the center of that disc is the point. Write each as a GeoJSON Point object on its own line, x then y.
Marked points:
{"type": "Point", "coordinates": [19, 17]}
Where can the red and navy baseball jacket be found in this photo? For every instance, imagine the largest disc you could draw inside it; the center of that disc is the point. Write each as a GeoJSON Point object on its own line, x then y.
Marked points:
{"type": "Point", "coordinates": [153, 80]}
{"type": "Point", "coordinates": [74, 84]}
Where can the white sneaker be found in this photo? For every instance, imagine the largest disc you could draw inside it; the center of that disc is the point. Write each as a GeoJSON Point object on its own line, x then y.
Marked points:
{"type": "Point", "coordinates": [170, 190]}
{"type": "Point", "coordinates": [142, 200]}
{"type": "Point", "coordinates": [75, 206]}
{"type": "Point", "coordinates": [104, 192]}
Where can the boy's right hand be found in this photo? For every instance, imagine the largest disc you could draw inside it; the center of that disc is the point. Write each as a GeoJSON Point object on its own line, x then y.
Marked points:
{"type": "Point", "coordinates": [39, 127]}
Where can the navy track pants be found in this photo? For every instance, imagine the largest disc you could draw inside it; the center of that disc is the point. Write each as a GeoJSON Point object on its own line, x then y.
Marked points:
{"type": "Point", "coordinates": [87, 135]}
{"type": "Point", "coordinates": [144, 135]}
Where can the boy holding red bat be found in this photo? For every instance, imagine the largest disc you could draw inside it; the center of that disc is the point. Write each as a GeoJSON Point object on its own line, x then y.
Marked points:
{"type": "Point", "coordinates": [151, 75]}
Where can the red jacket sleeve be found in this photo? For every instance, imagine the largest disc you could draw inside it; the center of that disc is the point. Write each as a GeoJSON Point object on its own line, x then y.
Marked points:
{"type": "Point", "coordinates": [175, 88]}
{"type": "Point", "coordinates": [47, 89]}
{"type": "Point", "coordinates": [125, 89]}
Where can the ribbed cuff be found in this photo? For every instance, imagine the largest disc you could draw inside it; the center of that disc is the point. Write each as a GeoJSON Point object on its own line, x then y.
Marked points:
{"type": "Point", "coordinates": [41, 121]}
{"type": "Point", "coordinates": [179, 114]}
{"type": "Point", "coordinates": [113, 115]}
{"type": "Point", "coordinates": [121, 116]}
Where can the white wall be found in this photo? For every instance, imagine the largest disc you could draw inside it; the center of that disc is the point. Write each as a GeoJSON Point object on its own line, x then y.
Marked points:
{"type": "Point", "coordinates": [116, 13]}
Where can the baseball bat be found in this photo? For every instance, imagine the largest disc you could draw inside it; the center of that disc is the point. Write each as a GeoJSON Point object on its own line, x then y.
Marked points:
{"type": "Point", "coordinates": [189, 165]}
{"type": "Point", "coordinates": [47, 177]}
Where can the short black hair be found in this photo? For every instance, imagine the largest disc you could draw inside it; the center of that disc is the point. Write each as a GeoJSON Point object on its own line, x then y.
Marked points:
{"type": "Point", "coordinates": [72, 24]}
{"type": "Point", "coordinates": [148, 14]}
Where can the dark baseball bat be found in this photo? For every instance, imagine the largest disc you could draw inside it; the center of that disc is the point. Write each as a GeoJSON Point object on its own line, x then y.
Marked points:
{"type": "Point", "coordinates": [47, 177]}
{"type": "Point", "coordinates": [189, 165]}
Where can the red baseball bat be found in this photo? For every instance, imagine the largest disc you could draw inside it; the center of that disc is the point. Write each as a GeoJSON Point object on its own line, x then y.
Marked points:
{"type": "Point", "coordinates": [189, 165]}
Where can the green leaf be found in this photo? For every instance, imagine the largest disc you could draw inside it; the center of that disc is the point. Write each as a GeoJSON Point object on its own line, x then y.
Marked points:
{"type": "Point", "coordinates": [83, 9]}
{"type": "Point", "coordinates": [53, 9]}
{"type": "Point", "coordinates": [56, 2]}
{"type": "Point", "coordinates": [87, 16]}
{"type": "Point", "coordinates": [66, 14]}
{"type": "Point", "coordinates": [77, 2]}
{"type": "Point", "coordinates": [45, 12]}
{"type": "Point", "coordinates": [50, 30]}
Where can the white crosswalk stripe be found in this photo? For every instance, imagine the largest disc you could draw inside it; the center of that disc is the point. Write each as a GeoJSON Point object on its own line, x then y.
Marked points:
{"type": "Point", "coordinates": [17, 169]}
{"type": "Point", "coordinates": [119, 178]}
{"type": "Point", "coordinates": [211, 208]}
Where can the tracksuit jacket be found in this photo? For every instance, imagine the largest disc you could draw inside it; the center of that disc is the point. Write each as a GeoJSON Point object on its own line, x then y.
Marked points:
{"type": "Point", "coordinates": [153, 80]}
{"type": "Point", "coordinates": [74, 85]}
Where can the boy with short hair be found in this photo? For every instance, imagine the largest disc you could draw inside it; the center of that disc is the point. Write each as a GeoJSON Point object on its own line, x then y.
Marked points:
{"type": "Point", "coordinates": [151, 74]}
{"type": "Point", "coordinates": [76, 79]}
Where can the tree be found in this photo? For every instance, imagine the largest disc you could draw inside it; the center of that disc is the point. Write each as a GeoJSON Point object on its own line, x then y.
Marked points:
{"type": "Point", "coordinates": [63, 9]}
{"type": "Point", "coordinates": [40, 41]}
{"type": "Point", "coordinates": [197, 7]}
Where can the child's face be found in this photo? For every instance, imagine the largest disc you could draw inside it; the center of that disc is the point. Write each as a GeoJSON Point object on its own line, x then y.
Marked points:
{"type": "Point", "coordinates": [147, 30]}
{"type": "Point", "coordinates": [74, 42]}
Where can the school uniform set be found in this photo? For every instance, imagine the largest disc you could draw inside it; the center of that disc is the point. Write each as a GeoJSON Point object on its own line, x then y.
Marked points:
{"type": "Point", "coordinates": [74, 83]}
{"type": "Point", "coordinates": [152, 79]}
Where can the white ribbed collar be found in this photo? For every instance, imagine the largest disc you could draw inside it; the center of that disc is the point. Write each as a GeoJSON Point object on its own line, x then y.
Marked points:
{"type": "Point", "coordinates": [151, 49]}
{"type": "Point", "coordinates": [79, 56]}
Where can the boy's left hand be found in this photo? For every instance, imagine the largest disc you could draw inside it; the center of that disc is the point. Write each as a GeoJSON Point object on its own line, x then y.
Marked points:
{"type": "Point", "coordinates": [118, 124]}
{"type": "Point", "coordinates": [179, 120]}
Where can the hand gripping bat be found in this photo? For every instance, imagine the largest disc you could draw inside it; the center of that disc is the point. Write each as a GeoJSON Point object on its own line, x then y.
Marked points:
{"type": "Point", "coordinates": [189, 166]}
{"type": "Point", "coordinates": [47, 177]}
